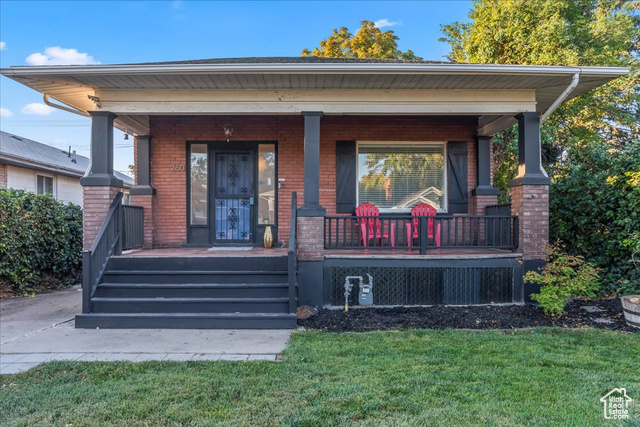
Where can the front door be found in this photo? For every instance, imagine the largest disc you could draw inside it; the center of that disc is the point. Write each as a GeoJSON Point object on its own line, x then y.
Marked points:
{"type": "Point", "coordinates": [233, 196]}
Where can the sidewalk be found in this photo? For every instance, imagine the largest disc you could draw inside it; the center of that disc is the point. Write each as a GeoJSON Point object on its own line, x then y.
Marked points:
{"type": "Point", "coordinates": [41, 329]}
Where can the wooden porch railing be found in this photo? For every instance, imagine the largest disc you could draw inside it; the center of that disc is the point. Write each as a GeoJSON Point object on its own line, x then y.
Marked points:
{"type": "Point", "coordinates": [461, 231]}
{"type": "Point", "coordinates": [292, 256]}
{"type": "Point", "coordinates": [123, 228]}
{"type": "Point", "coordinates": [95, 260]}
{"type": "Point", "coordinates": [133, 231]}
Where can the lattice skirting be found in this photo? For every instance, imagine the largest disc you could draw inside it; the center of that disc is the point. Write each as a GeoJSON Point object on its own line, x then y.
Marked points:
{"type": "Point", "coordinates": [427, 285]}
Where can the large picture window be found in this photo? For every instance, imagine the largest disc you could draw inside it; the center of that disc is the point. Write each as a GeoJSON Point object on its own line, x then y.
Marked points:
{"type": "Point", "coordinates": [397, 176]}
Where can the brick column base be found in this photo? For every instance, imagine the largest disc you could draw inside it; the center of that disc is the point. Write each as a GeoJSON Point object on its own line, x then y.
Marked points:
{"type": "Point", "coordinates": [311, 238]}
{"type": "Point", "coordinates": [96, 203]}
{"type": "Point", "coordinates": [531, 204]}
{"type": "Point", "coordinates": [146, 201]}
{"type": "Point", "coordinates": [481, 201]}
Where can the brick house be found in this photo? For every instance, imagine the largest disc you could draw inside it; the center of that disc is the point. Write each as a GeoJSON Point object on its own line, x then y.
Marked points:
{"type": "Point", "coordinates": [224, 146]}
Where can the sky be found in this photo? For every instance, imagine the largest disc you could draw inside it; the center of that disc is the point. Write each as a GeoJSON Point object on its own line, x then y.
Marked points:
{"type": "Point", "coordinates": [116, 32]}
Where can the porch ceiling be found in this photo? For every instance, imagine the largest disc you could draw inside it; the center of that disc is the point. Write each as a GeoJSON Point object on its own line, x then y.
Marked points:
{"type": "Point", "coordinates": [136, 91]}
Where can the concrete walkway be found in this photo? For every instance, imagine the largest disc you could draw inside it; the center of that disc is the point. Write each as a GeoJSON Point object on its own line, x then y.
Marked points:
{"type": "Point", "coordinates": [41, 329]}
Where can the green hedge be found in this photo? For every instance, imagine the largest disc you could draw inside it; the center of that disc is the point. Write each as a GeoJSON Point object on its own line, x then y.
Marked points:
{"type": "Point", "coordinates": [40, 241]}
{"type": "Point", "coordinates": [595, 213]}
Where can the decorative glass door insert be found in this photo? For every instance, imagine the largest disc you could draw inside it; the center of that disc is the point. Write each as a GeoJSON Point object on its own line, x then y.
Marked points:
{"type": "Point", "coordinates": [233, 196]}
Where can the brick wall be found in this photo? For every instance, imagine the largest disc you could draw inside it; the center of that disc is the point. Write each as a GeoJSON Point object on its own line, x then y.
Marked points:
{"type": "Point", "coordinates": [96, 204]}
{"type": "Point", "coordinates": [170, 134]}
{"type": "Point", "coordinates": [531, 204]}
{"type": "Point", "coordinates": [3, 175]}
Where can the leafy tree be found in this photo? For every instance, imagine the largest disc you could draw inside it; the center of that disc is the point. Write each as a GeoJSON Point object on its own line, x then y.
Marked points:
{"type": "Point", "coordinates": [368, 42]}
{"type": "Point", "coordinates": [589, 144]}
{"type": "Point", "coordinates": [561, 32]}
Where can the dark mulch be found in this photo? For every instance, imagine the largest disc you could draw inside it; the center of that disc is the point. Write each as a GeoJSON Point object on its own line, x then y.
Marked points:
{"type": "Point", "coordinates": [473, 317]}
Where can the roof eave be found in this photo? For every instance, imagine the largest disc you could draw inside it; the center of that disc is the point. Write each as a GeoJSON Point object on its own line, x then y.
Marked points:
{"type": "Point", "coordinates": [382, 68]}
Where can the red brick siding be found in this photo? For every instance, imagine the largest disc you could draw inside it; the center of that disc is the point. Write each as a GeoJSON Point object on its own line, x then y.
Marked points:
{"type": "Point", "coordinates": [171, 133]}
{"type": "Point", "coordinates": [531, 204]}
{"type": "Point", "coordinates": [96, 204]}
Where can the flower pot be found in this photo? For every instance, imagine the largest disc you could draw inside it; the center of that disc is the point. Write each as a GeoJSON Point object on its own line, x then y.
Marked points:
{"type": "Point", "coordinates": [631, 309]}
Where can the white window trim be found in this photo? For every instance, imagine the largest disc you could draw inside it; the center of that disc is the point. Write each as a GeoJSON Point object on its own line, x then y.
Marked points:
{"type": "Point", "coordinates": [445, 207]}
{"type": "Point", "coordinates": [54, 182]}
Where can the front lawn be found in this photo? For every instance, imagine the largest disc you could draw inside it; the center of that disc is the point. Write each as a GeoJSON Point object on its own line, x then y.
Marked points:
{"type": "Point", "coordinates": [420, 377]}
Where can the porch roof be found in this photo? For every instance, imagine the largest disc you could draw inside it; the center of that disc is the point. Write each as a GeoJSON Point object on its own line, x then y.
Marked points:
{"type": "Point", "coordinates": [289, 85]}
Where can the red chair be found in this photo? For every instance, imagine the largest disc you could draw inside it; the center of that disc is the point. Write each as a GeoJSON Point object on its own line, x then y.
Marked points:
{"type": "Point", "coordinates": [370, 227]}
{"type": "Point", "coordinates": [423, 209]}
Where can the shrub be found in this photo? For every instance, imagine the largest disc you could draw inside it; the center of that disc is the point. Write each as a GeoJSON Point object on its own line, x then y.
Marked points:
{"type": "Point", "coordinates": [563, 277]}
{"type": "Point", "coordinates": [40, 241]}
{"type": "Point", "coordinates": [595, 213]}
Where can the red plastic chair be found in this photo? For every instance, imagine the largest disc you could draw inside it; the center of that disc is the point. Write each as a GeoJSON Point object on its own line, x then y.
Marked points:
{"type": "Point", "coordinates": [370, 227]}
{"type": "Point", "coordinates": [423, 209]}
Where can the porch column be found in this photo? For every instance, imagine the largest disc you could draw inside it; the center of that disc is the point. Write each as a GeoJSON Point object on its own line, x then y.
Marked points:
{"type": "Point", "coordinates": [311, 205]}
{"type": "Point", "coordinates": [530, 196]}
{"type": "Point", "coordinates": [311, 218]}
{"type": "Point", "coordinates": [484, 194]}
{"type": "Point", "coordinates": [100, 185]}
{"type": "Point", "coordinates": [142, 194]}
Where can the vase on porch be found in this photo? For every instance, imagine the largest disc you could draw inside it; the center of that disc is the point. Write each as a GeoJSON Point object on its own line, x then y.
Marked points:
{"type": "Point", "coordinates": [268, 237]}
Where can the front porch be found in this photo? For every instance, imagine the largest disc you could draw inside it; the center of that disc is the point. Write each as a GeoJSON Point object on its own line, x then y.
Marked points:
{"type": "Point", "coordinates": [222, 148]}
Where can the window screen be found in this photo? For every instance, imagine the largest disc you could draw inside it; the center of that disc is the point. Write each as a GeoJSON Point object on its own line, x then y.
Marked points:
{"type": "Point", "coordinates": [398, 177]}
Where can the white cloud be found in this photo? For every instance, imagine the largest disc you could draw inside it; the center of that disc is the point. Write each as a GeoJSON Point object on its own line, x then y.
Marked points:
{"type": "Point", "coordinates": [3, 46]}
{"type": "Point", "coordinates": [5, 112]}
{"type": "Point", "coordinates": [36, 109]}
{"type": "Point", "coordinates": [57, 55]}
{"type": "Point", "coordinates": [384, 22]}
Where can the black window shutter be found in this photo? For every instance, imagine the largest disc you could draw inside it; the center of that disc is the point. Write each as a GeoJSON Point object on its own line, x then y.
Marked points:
{"type": "Point", "coordinates": [346, 176]}
{"type": "Point", "coordinates": [457, 170]}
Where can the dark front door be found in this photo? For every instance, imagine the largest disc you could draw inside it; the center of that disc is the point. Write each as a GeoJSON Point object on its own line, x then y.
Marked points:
{"type": "Point", "coordinates": [233, 191]}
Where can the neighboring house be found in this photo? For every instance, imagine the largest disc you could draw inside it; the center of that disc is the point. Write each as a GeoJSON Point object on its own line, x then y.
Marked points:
{"type": "Point", "coordinates": [32, 166]}
{"type": "Point", "coordinates": [222, 144]}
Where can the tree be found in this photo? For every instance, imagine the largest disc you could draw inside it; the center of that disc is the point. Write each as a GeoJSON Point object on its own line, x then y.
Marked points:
{"type": "Point", "coordinates": [369, 42]}
{"type": "Point", "coordinates": [561, 32]}
{"type": "Point", "coordinates": [591, 143]}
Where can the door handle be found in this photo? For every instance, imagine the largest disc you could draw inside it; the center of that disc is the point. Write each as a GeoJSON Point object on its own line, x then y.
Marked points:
{"type": "Point", "coordinates": [251, 202]}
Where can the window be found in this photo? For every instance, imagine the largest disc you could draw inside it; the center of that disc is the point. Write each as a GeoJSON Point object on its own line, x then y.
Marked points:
{"type": "Point", "coordinates": [44, 184]}
{"type": "Point", "coordinates": [198, 184]}
{"type": "Point", "coordinates": [266, 184]}
{"type": "Point", "coordinates": [397, 176]}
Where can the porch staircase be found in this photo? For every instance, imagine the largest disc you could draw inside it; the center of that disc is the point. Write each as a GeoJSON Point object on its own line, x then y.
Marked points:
{"type": "Point", "coordinates": [192, 293]}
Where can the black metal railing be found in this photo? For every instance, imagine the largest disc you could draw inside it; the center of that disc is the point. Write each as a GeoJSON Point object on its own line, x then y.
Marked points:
{"type": "Point", "coordinates": [95, 260]}
{"type": "Point", "coordinates": [401, 232]}
{"type": "Point", "coordinates": [292, 257]}
{"type": "Point", "coordinates": [133, 231]}
{"type": "Point", "coordinates": [503, 209]}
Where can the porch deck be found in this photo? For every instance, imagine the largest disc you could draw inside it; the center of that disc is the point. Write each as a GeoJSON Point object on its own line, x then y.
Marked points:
{"type": "Point", "coordinates": [402, 253]}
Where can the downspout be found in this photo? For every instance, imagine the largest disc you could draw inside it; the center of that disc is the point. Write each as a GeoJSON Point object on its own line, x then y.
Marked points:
{"type": "Point", "coordinates": [574, 82]}
{"type": "Point", "coordinates": [45, 98]}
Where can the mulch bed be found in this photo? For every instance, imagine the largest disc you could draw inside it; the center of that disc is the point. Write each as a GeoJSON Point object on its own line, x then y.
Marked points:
{"type": "Point", "coordinates": [472, 317]}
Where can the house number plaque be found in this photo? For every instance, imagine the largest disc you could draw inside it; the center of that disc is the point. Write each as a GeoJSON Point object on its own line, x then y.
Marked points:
{"type": "Point", "coordinates": [177, 168]}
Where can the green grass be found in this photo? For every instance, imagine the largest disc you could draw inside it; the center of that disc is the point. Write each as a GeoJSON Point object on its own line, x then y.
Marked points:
{"type": "Point", "coordinates": [540, 377]}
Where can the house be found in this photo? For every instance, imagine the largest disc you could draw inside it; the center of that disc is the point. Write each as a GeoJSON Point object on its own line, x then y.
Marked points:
{"type": "Point", "coordinates": [228, 147]}
{"type": "Point", "coordinates": [32, 166]}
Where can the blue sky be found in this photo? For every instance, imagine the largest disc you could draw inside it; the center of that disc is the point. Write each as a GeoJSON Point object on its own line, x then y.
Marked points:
{"type": "Point", "coordinates": [112, 32]}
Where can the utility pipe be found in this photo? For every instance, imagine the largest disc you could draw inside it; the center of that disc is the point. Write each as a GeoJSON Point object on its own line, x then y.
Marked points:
{"type": "Point", "coordinates": [45, 98]}
{"type": "Point", "coordinates": [574, 82]}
